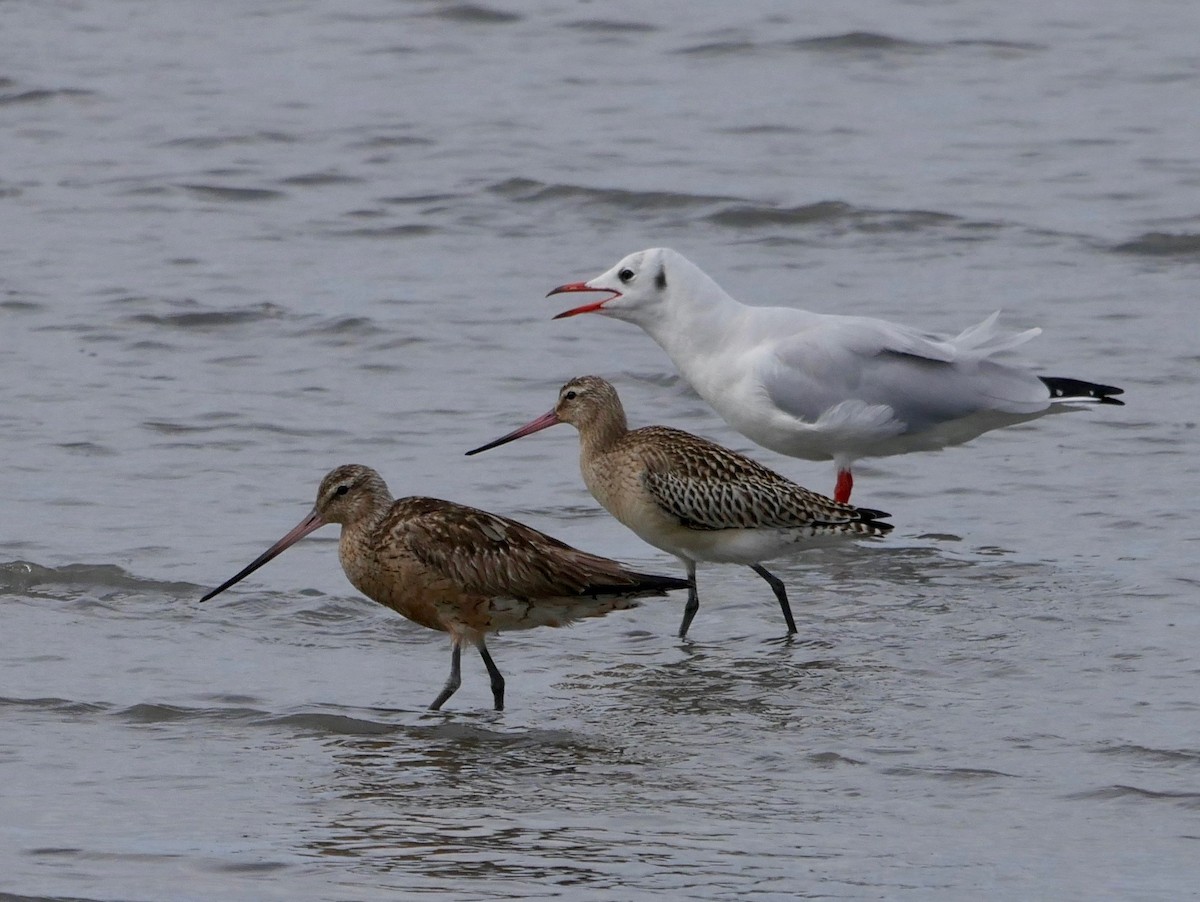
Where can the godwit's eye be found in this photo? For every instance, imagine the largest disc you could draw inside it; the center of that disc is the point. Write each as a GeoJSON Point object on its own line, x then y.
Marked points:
{"type": "Point", "coordinates": [626, 275]}
{"type": "Point", "coordinates": [571, 395]}
{"type": "Point", "coordinates": [341, 490]}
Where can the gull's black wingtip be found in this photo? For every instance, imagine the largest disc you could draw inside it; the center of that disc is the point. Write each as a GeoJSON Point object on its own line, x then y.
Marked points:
{"type": "Point", "coordinates": [1067, 390]}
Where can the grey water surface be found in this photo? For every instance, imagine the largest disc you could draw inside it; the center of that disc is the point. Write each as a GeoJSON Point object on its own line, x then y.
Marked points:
{"type": "Point", "coordinates": [241, 243]}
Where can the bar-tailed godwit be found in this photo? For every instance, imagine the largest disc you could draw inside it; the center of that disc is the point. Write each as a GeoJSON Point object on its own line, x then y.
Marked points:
{"type": "Point", "coordinates": [691, 497]}
{"type": "Point", "coordinates": [460, 570]}
{"type": "Point", "coordinates": [822, 387]}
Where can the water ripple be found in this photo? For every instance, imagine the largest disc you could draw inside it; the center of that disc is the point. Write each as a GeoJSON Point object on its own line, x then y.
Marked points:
{"type": "Point", "coordinates": [855, 44]}
{"type": "Point", "coordinates": [473, 14]}
{"type": "Point", "coordinates": [205, 320]}
{"type": "Point", "coordinates": [230, 193]}
{"type": "Point", "coordinates": [1122, 791]}
{"type": "Point", "coordinates": [17, 577]}
{"type": "Point", "coordinates": [42, 95]}
{"type": "Point", "coordinates": [532, 191]}
{"type": "Point", "coordinates": [1162, 244]}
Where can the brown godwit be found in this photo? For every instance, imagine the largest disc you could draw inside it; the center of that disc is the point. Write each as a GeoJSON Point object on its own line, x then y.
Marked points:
{"type": "Point", "coordinates": [692, 497]}
{"type": "Point", "coordinates": [460, 570]}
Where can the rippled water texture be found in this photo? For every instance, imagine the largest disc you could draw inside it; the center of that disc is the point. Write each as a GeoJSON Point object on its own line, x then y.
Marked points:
{"type": "Point", "coordinates": [243, 243]}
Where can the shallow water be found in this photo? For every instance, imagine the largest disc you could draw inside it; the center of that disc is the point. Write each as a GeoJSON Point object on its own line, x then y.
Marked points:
{"type": "Point", "coordinates": [242, 246]}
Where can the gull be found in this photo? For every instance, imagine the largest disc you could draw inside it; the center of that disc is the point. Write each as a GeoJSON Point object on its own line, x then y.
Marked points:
{"type": "Point", "coordinates": [460, 570]}
{"type": "Point", "coordinates": [691, 497]}
{"type": "Point", "coordinates": [822, 386]}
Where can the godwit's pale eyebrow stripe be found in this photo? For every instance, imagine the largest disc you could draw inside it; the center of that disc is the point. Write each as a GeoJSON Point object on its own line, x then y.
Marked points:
{"type": "Point", "coordinates": [460, 570]}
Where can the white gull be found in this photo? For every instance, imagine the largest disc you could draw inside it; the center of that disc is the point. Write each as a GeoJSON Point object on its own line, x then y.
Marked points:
{"type": "Point", "coordinates": [820, 386]}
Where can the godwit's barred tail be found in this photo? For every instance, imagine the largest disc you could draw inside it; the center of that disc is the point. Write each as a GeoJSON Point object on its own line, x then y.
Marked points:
{"type": "Point", "coordinates": [826, 387]}
{"type": "Point", "coordinates": [694, 498]}
{"type": "Point", "coordinates": [460, 570]}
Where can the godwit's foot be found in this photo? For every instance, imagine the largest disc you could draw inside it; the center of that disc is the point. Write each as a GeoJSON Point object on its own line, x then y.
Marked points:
{"type": "Point", "coordinates": [693, 602]}
{"type": "Point", "coordinates": [454, 680]}
{"type": "Point", "coordinates": [494, 673]}
{"type": "Point", "coordinates": [777, 587]}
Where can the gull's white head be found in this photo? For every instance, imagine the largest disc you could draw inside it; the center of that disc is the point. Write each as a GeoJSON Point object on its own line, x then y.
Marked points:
{"type": "Point", "coordinates": [645, 287]}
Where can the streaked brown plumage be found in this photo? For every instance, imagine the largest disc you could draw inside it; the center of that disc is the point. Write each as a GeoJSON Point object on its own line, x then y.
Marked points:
{"type": "Point", "coordinates": [692, 497]}
{"type": "Point", "coordinates": [458, 569]}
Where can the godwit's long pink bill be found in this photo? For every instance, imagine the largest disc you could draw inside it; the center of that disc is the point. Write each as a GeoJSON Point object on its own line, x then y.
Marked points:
{"type": "Point", "coordinates": [692, 497]}
{"type": "Point", "coordinates": [460, 570]}
{"type": "Point", "coordinates": [311, 523]}
{"type": "Point", "coordinates": [822, 387]}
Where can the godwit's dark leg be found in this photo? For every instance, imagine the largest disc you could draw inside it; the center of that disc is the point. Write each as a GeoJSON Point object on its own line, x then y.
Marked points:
{"type": "Point", "coordinates": [494, 673]}
{"type": "Point", "coordinates": [455, 679]}
{"type": "Point", "coordinates": [777, 586]}
{"type": "Point", "coordinates": [845, 484]}
{"type": "Point", "coordinates": [693, 602]}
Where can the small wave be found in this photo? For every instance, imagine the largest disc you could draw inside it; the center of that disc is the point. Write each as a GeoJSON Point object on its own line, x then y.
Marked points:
{"type": "Point", "coordinates": [308, 179]}
{"type": "Point", "coordinates": [1162, 244]}
{"type": "Point", "coordinates": [19, 576]}
{"type": "Point", "coordinates": [762, 129]}
{"type": "Point", "coordinates": [406, 199]}
{"type": "Point", "coordinates": [208, 319]}
{"type": "Point", "coordinates": [853, 43]}
{"type": "Point", "coordinates": [41, 95]}
{"type": "Point", "coordinates": [209, 142]}
{"type": "Point", "coordinates": [21, 306]}
{"type": "Point", "coordinates": [858, 40]}
{"type": "Point", "coordinates": [473, 14]}
{"type": "Point", "coordinates": [611, 26]}
{"type": "Point", "coordinates": [324, 722]}
{"type": "Point", "coordinates": [165, 427]}
{"type": "Point", "coordinates": [87, 449]}
{"type": "Point", "coordinates": [393, 141]}
{"type": "Point", "coordinates": [831, 759]}
{"type": "Point", "coordinates": [749, 215]}
{"type": "Point", "coordinates": [1122, 791]}
{"type": "Point", "coordinates": [531, 191]}
{"type": "Point", "coordinates": [160, 712]}
{"type": "Point", "coordinates": [1163, 756]}
{"type": "Point", "coordinates": [948, 773]}
{"type": "Point", "coordinates": [362, 326]}
{"type": "Point", "coordinates": [53, 705]}
{"type": "Point", "coordinates": [227, 193]}
{"type": "Point", "coordinates": [403, 230]}
{"type": "Point", "coordinates": [859, 219]}
{"type": "Point", "coordinates": [729, 212]}
{"type": "Point", "coordinates": [719, 48]}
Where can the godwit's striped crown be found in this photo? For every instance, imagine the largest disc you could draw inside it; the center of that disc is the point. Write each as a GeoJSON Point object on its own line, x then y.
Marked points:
{"type": "Point", "coordinates": [350, 493]}
{"type": "Point", "coordinates": [588, 400]}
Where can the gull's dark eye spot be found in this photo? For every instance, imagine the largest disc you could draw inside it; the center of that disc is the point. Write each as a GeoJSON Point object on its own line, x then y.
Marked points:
{"type": "Point", "coordinates": [342, 489]}
{"type": "Point", "coordinates": [571, 395]}
{"type": "Point", "coordinates": [626, 275]}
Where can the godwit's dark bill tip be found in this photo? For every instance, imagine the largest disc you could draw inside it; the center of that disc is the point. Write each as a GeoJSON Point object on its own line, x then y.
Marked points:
{"type": "Point", "coordinates": [545, 421]}
{"type": "Point", "coordinates": [488, 447]}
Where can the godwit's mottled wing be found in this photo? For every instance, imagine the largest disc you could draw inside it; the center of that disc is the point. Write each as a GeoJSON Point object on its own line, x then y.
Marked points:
{"type": "Point", "coordinates": [493, 556]}
{"type": "Point", "coordinates": [708, 486]}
